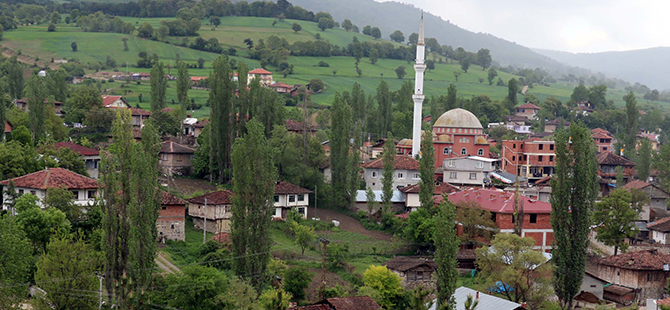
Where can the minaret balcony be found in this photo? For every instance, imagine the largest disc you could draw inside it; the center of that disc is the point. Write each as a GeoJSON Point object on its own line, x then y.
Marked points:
{"type": "Point", "coordinates": [420, 67]}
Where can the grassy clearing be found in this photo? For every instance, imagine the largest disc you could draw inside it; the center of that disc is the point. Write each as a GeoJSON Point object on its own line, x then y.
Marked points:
{"type": "Point", "coordinates": [182, 253]}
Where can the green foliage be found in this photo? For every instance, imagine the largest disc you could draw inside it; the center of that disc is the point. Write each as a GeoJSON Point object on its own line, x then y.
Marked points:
{"type": "Point", "coordinates": [397, 36]}
{"type": "Point", "coordinates": [296, 27]}
{"type": "Point", "coordinates": [220, 98]}
{"type": "Point", "coordinates": [63, 200]}
{"type": "Point", "coordinates": [303, 236]}
{"type": "Point", "coordinates": [400, 72]}
{"type": "Point", "coordinates": [420, 228]}
{"type": "Point", "coordinates": [426, 171]}
{"type": "Point", "coordinates": [476, 222]}
{"type": "Point", "coordinates": [419, 299]}
{"type": "Point", "coordinates": [17, 159]}
{"type": "Point", "coordinates": [158, 87]}
{"type": "Point", "coordinates": [492, 75]}
{"type": "Point", "coordinates": [574, 189]}
{"type": "Point", "coordinates": [385, 284]}
{"type": "Point", "coordinates": [615, 219]}
{"type": "Point", "coordinates": [275, 299]}
{"type": "Point", "coordinates": [446, 248]}
{"type": "Point", "coordinates": [388, 164]}
{"type": "Point", "coordinates": [337, 254]}
{"type": "Point", "coordinates": [167, 123]}
{"type": "Point", "coordinates": [643, 167]}
{"type": "Point", "coordinates": [183, 85]}
{"type": "Point", "coordinates": [63, 158]}
{"type": "Point", "coordinates": [632, 116]}
{"type": "Point", "coordinates": [316, 85]}
{"type": "Point", "coordinates": [74, 262]}
{"type": "Point", "coordinates": [374, 56]}
{"type": "Point", "coordinates": [339, 155]}
{"type": "Point", "coordinates": [39, 225]}
{"type": "Point", "coordinates": [36, 92]}
{"type": "Point", "coordinates": [15, 262]}
{"type": "Point", "coordinates": [296, 280]}
{"type": "Point", "coordinates": [484, 59]}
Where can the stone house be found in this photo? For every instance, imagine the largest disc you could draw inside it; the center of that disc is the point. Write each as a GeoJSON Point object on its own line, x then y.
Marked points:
{"type": "Point", "coordinates": [527, 110]}
{"type": "Point", "coordinates": [413, 270]}
{"type": "Point", "coordinates": [297, 128]}
{"type": "Point", "coordinates": [91, 156]}
{"type": "Point", "coordinates": [471, 170]}
{"type": "Point", "coordinates": [406, 172]}
{"type": "Point", "coordinates": [84, 189]}
{"type": "Point", "coordinates": [216, 212]}
{"type": "Point", "coordinates": [175, 158]}
{"type": "Point", "coordinates": [642, 274]}
{"type": "Point", "coordinates": [171, 218]}
{"type": "Point", "coordinates": [554, 124]}
{"type": "Point", "coordinates": [607, 165]}
{"type": "Point", "coordinates": [658, 198]}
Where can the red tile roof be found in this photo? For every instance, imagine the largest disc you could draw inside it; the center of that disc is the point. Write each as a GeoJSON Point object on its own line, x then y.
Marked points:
{"type": "Point", "coordinates": [280, 84]}
{"type": "Point", "coordinates": [640, 260]}
{"type": "Point", "coordinates": [601, 131]}
{"type": "Point", "coordinates": [201, 124]}
{"type": "Point", "coordinates": [607, 158]}
{"type": "Point", "coordinates": [107, 100]}
{"type": "Point", "coordinates": [168, 199]}
{"type": "Point", "coordinates": [259, 71]}
{"type": "Point", "coordinates": [283, 188]}
{"type": "Point", "coordinates": [222, 197]}
{"type": "Point", "coordinates": [292, 125]}
{"type": "Point", "coordinates": [528, 106]}
{"type": "Point", "coordinates": [198, 78]}
{"type": "Point", "coordinates": [600, 135]}
{"type": "Point", "coordinates": [8, 127]}
{"type": "Point", "coordinates": [84, 151]}
{"type": "Point", "coordinates": [53, 178]}
{"type": "Point", "coordinates": [352, 303]}
{"type": "Point", "coordinates": [171, 147]}
{"type": "Point", "coordinates": [636, 184]}
{"type": "Point", "coordinates": [662, 225]}
{"type": "Point", "coordinates": [498, 201]}
{"type": "Point", "coordinates": [401, 162]}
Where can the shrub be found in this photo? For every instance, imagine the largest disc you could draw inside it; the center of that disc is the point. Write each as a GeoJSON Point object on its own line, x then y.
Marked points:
{"type": "Point", "coordinates": [51, 28]}
{"type": "Point", "coordinates": [323, 64]}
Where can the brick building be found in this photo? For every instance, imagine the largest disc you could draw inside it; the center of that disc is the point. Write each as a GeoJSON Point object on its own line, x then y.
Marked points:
{"type": "Point", "coordinates": [458, 133]}
{"type": "Point", "coordinates": [171, 218]}
{"type": "Point", "coordinates": [603, 140]}
{"type": "Point", "coordinates": [533, 158]}
{"type": "Point", "coordinates": [536, 214]}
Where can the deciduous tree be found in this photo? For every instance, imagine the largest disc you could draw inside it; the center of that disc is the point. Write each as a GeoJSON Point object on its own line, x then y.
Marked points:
{"type": "Point", "coordinates": [384, 286]}
{"type": "Point", "coordinates": [15, 263]}
{"type": "Point", "coordinates": [446, 248]}
{"type": "Point", "coordinates": [388, 161]}
{"type": "Point", "coordinates": [397, 36]}
{"type": "Point", "coordinates": [158, 87]}
{"type": "Point", "coordinates": [427, 170]}
{"type": "Point", "coordinates": [615, 218]}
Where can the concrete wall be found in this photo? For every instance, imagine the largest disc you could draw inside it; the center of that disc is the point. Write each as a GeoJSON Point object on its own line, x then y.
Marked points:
{"type": "Point", "coordinates": [592, 285]}
{"type": "Point", "coordinates": [373, 178]}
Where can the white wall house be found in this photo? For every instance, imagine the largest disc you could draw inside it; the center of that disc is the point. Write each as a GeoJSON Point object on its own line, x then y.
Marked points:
{"type": "Point", "coordinates": [406, 172]}
{"type": "Point", "coordinates": [471, 170]}
{"type": "Point", "coordinates": [289, 196]}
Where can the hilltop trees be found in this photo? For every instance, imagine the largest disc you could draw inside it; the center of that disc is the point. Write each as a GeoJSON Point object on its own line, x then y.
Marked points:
{"type": "Point", "coordinates": [375, 33]}
{"type": "Point", "coordinates": [484, 59]}
{"type": "Point", "coordinates": [296, 27]}
{"type": "Point", "coordinates": [16, 262]}
{"type": "Point", "coordinates": [347, 25]}
{"type": "Point", "coordinates": [574, 190]}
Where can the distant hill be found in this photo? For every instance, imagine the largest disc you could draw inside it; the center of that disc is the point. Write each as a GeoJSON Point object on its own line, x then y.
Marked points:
{"type": "Point", "coordinates": [647, 66]}
{"type": "Point", "coordinates": [391, 16]}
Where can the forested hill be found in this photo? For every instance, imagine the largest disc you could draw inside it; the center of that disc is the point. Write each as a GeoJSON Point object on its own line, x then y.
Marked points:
{"type": "Point", "coordinates": [647, 66]}
{"type": "Point", "coordinates": [391, 16]}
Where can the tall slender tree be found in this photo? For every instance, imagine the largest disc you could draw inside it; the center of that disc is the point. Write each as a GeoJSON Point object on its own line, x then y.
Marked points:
{"type": "Point", "coordinates": [632, 117]}
{"type": "Point", "coordinates": [243, 98]}
{"type": "Point", "coordinates": [446, 248]}
{"type": "Point", "coordinates": [158, 87]}
{"type": "Point", "coordinates": [644, 160]}
{"type": "Point", "coordinates": [183, 85]}
{"type": "Point", "coordinates": [388, 162]}
{"type": "Point", "coordinates": [220, 103]}
{"type": "Point", "coordinates": [450, 103]}
{"type": "Point", "coordinates": [574, 190]}
{"type": "Point", "coordinates": [37, 106]}
{"type": "Point", "coordinates": [254, 176]}
{"type": "Point", "coordinates": [385, 109]}
{"type": "Point", "coordinates": [15, 79]}
{"type": "Point", "coordinates": [339, 151]}
{"type": "Point", "coordinates": [4, 103]}
{"type": "Point", "coordinates": [427, 170]}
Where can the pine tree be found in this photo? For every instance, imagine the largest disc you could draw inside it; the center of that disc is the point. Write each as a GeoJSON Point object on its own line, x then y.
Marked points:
{"type": "Point", "coordinates": [574, 189]}
{"type": "Point", "coordinates": [446, 249]}
{"type": "Point", "coordinates": [158, 87]}
{"type": "Point", "coordinates": [644, 160]}
{"type": "Point", "coordinates": [388, 161]}
{"type": "Point", "coordinates": [427, 170]}
{"type": "Point", "coordinates": [183, 85]}
{"type": "Point", "coordinates": [220, 103]}
{"type": "Point", "coordinates": [37, 106]}
{"type": "Point", "coordinates": [385, 109]}
{"type": "Point", "coordinates": [254, 176]}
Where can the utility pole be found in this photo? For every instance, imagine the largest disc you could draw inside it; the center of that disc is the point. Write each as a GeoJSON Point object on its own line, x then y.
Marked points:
{"type": "Point", "coordinates": [322, 288]}
{"type": "Point", "coordinates": [204, 231]}
{"type": "Point", "coordinates": [100, 278]}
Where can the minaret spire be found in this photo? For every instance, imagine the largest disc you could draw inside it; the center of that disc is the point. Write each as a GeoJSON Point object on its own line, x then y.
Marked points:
{"type": "Point", "coordinates": [418, 97]}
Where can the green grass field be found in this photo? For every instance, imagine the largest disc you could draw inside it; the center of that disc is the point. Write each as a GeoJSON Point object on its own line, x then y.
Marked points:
{"type": "Point", "coordinates": [35, 41]}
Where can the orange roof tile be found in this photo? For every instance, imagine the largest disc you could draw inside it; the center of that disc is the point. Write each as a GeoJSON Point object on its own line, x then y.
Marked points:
{"type": "Point", "coordinates": [53, 178]}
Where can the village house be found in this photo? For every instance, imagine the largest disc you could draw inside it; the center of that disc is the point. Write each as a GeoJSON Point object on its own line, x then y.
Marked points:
{"type": "Point", "coordinates": [196, 79]}
{"type": "Point", "coordinates": [192, 128]}
{"type": "Point", "coordinates": [141, 76]}
{"type": "Point", "coordinates": [22, 104]}
{"type": "Point", "coordinates": [411, 192]}
{"type": "Point", "coordinates": [658, 198]}
{"type": "Point", "coordinates": [607, 166]}
{"type": "Point", "coordinates": [91, 156]}
{"type": "Point", "coordinates": [536, 214]}
{"type": "Point", "coordinates": [214, 208]}
{"type": "Point", "coordinates": [553, 125]}
{"type": "Point", "coordinates": [592, 284]}
{"type": "Point", "coordinates": [405, 172]}
{"type": "Point", "coordinates": [413, 270]}
{"type": "Point", "coordinates": [289, 196]}
{"type": "Point", "coordinates": [520, 129]}
{"type": "Point", "coordinates": [397, 201]}
{"type": "Point", "coordinates": [281, 88]}
{"type": "Point", "coordinates": [175, 158]}
{"type": "Point", "coordinates": [138, 116]}
{"type": "Point", "coordinates": [84, 189]}
{"type": "Point", "coordinates": [342, 303]}
{"type": "Point", "coordinates": [603, 140]}
{"type": "Point", "coordinates": [296, 128]}
{"type": "Point", "coordinates": [653, 138]}
{"type": "Point", "coordinates": [458, 133]}
{"type": "Point", "coordinates": [264, 76]}
{"type": "Point", "coordinates": [486, 301]}
{"type": "Point", "coordinates": [471, 170]}
{"type": "Point", "coordinates": [583, 109]}
{"type": "Point", "coordinates": [532, 158]}
{"type": "Point", "coordinates": [635, 276]}
{"type": "Point", "coordinates": [660, 231]}
{"type": "Point", "coordinates": [109, 101]}
{"type": "Point", "coordinates": [171, 218]}
{"type": "Point", "coordinates": [527, 110]}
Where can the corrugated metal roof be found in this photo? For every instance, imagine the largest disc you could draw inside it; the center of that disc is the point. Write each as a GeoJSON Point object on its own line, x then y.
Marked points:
{"type": "Point", "coordinates": [361, 196]}
{"type": "Point", "coordinates": [486, 302]}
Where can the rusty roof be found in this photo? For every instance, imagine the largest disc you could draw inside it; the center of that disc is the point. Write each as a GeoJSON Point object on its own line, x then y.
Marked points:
{"type": "Point", "coordinates": [172, 147]}
{"type": "Point", "coordinates": [401, 162]}
{"type": "Point", "coordinates": [169, 199]}
{"type": "Point", "coordinates": [84, 151]}
{"type": "Point", "coordinates": [53, 178]}
{"type": "Point", "coordinates": [351, 303]}
{"type": "Point", "coordinates": [662, 225]}
{"type": "Point", "coordinates": [440, 189]}
{"type": "Point", "coordinates": [404, 263]}
{"type": "Point", "coordinates": [292, 125]}
{"type": "Point", "coordinates": [607, 158]}
{"type": "Point", "coordinates": [283, 187]}
{"type": "Point", "coordinates": [618, 289]}
{"type": "Point", "coordinates": [640, 260]}
{"type": "Point", "coordinates": [222, 197]}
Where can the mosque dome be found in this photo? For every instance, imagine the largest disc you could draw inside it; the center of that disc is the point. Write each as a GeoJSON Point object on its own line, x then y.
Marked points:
{"type": "Point", "coordinates": [458, 118]}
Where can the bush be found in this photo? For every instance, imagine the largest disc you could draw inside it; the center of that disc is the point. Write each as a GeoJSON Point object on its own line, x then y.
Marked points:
{"type": "Point", "coordinates": [323, 64]}
{"type": "Point", "coordinates": [51, 28]}
{"type": "Point", "coordinates": [296, 280]}
{"type": "Point", "coordinates": [316, 85]}
{"type": "Point", "coordinates": [337, 254]}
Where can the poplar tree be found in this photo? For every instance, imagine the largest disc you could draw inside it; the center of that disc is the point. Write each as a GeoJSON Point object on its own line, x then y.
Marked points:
{"type": "Point", "coordinates": [15, 79]}
{"type": "Point", "coordinates": [436, 109]}
{"type": "Point", "coordinates": [130, 210]}
{"type": "Point", "coordinates": [446, 248]}
{"type": "Point", "coordinates": [37, 106]}
{"type": "Point", "coordinates": [4, 102]}
{"type": "Point", "coordinates": [644, 160]}
{"type": "Point", "coordinates": [243, 98]}
{"type": "Point", "coordinates": [385, 109]}
{"type": "Point", "coordinates": [254, 176]}
{"type": "Point", "coordinates": [427, 170]}
{"type": "Point", "coordinates": [220, 103]}
{"type": "Point", "coordinates": [450, 103]}
{"type": "Point", "coordinates": [574, 190]}
{"type": "Point", "coordinates": [340, 136]}
{"type": "Point", "coordinates": [183, 85]}
{"type": "Point", "coordinates": [358, 107]}
{"type": "Point", "coordinates": [388, 162]}
{"type": "Point", "coordinates": [158, 87]}
{"type": "Point", "coordinates": [632, 115]}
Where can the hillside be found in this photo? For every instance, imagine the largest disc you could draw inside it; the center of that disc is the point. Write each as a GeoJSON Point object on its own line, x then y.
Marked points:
{"type": "Point", "coordinates": [647, 66]}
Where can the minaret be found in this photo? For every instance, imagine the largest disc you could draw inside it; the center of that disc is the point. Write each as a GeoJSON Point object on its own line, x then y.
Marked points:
{"type": "Point", "coordinates": [419, 68]}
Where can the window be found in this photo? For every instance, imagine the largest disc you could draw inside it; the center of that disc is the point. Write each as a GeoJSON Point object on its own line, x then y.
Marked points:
{"type": "Point", "coordinates": [91, 194]}
{"type": "Point", "coordinates": [291, 198]}
{"type": "Point", "coordinates": [649, 277]}
{"type": "Point", "coordinates": [480, 152]}
{"type": "Point", "coordinates": [301, 197]}
{"type": "Point", "coordinates": [419, 275]}
{"type": "Point", "coordinates": [75, 194]}
{"type": "Point", "coordinates": [401, 175]}
{"type": "Point", "coordinates": [276, 198]}
{"type": "Point", "coordinates": [513, 158]}
{"type": "Point", "coordinates": [551, 147]}
{"type": "Point", "coordinates": [602, 140]}
{"type": "Point", "coordinates": [533, 218]}
{"type": "Point", "coordinates": [539, 158]}
{"type": "Point", "coordinates": [416, 176]}
{"type": "Point", "coordinates": [493, 217]}
{"type": "Point", "coordinates": [604, 148]}
{"type": "Point", "coordinates": [179, 157]}
{"type": "Point", "coordinates": [301, 210]}
{"type": "Point", "coordinates": [171, 226]}
{"type": "Point", "coordinates": [514, 145]}
{"type": "Point", "coordinates": [480, 164]}
{"type": "Point", "coordinates": [374, 174]}
{"type": "Point", "coordinates": [164, 156]}
{"type": "Point", "coordinates": [541, 146]}
{"type": "Point", "coordinates": [446, 151]}
{"type": "Point", "coordinates": [20, 192]}
{"type": "Point", "coordinates": [34, 193]}
{"type": "Point", "coordinates": [163, 208]}
{"type": "Point", "coordinates": [464, 151]}
{"type": "Point", "coordinates": [450, 163]}
{"type": "Point", "coordinates": [473, 175]}
{"type": "Point", "coordinates": [453, 175]}
{"type": "Point", "coordinates": [551, 158]}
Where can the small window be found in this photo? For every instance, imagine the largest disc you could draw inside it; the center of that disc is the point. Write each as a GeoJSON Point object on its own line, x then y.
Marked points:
{"type": "Point", "coordinates": [226, 209]}
{"type": "Point", "coordinates": [551, 158]}
{"type": "Point", "coordinates": [276, 198]}
{"type": "Point", "coordinates": [416, 176]}
{"type": "Point", "coordinates": [34, 193]}
{"type": "Point", "coordinates": [464, 151]}
{"type": "Point", "coordinates": [539, 158]}
{"type": "Point", "coordinates": [163, 208]}
{"type": "Point", "coordinates": [301, 210]}
{"type": "Point", "coordinates": [401, 175]}
{"type": "Point", "coordinates": [533, 218]}
{"type": "Point", "coordinates": [301, 197]}
{"type": "Point", "coordinates": [513, 158]}
{"type": "Point", "coordinates": [291, 198]}
{"type": "Point", "coordinates": [541, 146]}
{"type": "Point", "coordinates": [164, 156]}
{"type": "Point", "coordinates": [451, 163]}
{"type": "Point", "coordinates": [480, 164]}
{"type": "Point", "coordinates": [604, 148]}
{"type": "Point", "coordinates": [74, 193]}
{"type": "Point", "coordinates": [514, 145]}
{"type": "Point", "coordinates": [446, 151]}
{"type": "Point", "coordinates": [171, 226]}
{"type": "Point", "coordinates": [20, 192]}
{"type": "Point", "coordinates": [374, 174]}
{"type": "Point", "coordinates": [602, 140]}
{"type": "Point", "coordinates": [480, 152]}
{"type": "Point", "coordinates": [453, 175]}
{"type": "Point", "coordinates": [649, 277]}
{"type": "Point", "coordinates": [91, 194]}
{"type": "Point", "coordinates": [493, 217]}
{"type": "Point", "coordinates": [473, 176]}
{"type": "Point", "coordinates": [179, 158]}
{"type": "Point", "coordinates": [551, 147]}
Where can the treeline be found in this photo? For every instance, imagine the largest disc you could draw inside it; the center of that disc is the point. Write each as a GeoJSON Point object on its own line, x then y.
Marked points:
{"type": "Point", "coordinates": [100, 22]}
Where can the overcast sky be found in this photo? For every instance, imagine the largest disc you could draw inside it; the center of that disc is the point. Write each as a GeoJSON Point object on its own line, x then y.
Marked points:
{"type": "Point", "coordinates": [566, 25]}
